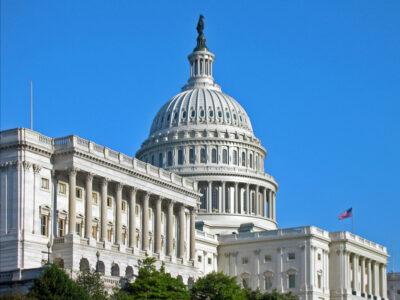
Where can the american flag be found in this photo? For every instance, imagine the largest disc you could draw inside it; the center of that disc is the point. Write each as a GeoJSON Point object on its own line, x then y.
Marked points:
{"type": "Point", "coordinates": [347, 214]}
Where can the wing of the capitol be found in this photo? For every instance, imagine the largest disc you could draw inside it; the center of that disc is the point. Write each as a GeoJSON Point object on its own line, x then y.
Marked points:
{"type": "Point", "coordinates": [196, 197]}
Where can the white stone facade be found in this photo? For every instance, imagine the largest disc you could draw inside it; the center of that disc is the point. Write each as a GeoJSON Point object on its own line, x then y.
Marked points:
{"type": "Point", "coordinates": [393, 286]}
{"type": "Point", "coordinates": [207, 206]}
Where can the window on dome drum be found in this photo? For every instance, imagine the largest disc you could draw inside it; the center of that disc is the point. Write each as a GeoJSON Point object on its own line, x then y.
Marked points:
{"type": "Point", "coordinates": [256, 162]}
{"type": "Point", "coordinates": [219, 114]}
{"type": "Point", "coordinates": [202, 113]}
{"type": "Point", "coordinates": [251, 160]}
{"type": "Point", "coordinates": [214, 156]}
{"type": "Point", "coordinates": [44, 225]}
{"type": "Point", "coordinates": [203, 158]}
{"type": "Point", "coordinates": [243, 159]}
{"type": "Point", "coordinates": [215, 198]}
{"type": "Point", "coordinates": [203, 202]}
{"type": "Point", "coordinates": [45, 184]}
{"type": "Point", "coordinates": [169, 158]}
{"type": "Point", "coordinates": [160, 160]}
{"type": "Point", "coordinates": [152, 159]}
{"type": "Point", "coordinates": [224, 156]}
{"type": "Point", "coordinates": [201, 67]}
{"type": "Point", "coordinates": [191, 156]}
{"type": "Point", "coordinates": [234, 157]}
{"type": "Point", "coordinates": [193, 113]}
{"type": "Point", "coordinates": [292, 281]}
{"type": "Point", "coordinates": [180, 157]}
{"type": "Point", "coordinates": [211, 113]}
{"type": "Point", "coordinates": [61, 227]}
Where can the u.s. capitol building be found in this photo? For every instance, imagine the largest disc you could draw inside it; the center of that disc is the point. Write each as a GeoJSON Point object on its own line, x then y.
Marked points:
{"type": "Point", "coordinates": [197, 198]}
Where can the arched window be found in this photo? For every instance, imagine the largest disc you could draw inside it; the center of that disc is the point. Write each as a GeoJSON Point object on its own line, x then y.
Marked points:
{"type": "Point", "coordinates": [180, 157]}
{"type": "Point", "coordinates": [129, 272]}
{"type": "Point", "coordinates": [251, 160]}
{"type": "Point", "coordinates": [203, 201]}
{"type": "Point", "coordinates": [202, 113]}
{"type": "Point", "coordinates": [115, 270]}
{"type": "Point", "coordinates": [234, 157]}
{"type": "Point", "coordinates": [219, 114]}
{"type": "Point", "coordinates": [224, 156]}
{"type": "Point", "coordinates": [192, 157]}
{"type": "Point", "coordinates": [193, 113]}
{"type": "Point", "coordinates": [243, 159]}
{"type": "Point", "coordinates": [203, 158]}
{"type": "Point", "coordinates": [160, 160]}
{"type": "Point", "coordinates": [84, 265]}
{"type": "Point", "coordinates": [169, 158]}
{"type": "Point", "coordinates": [256, 163]}
{"type": "Point", "coordinates": [152, 159]}
{"type": "Point", "coordinates": [211, 113]}
{"type": "Point", "coordinates": [215, 199]}
{"type": "Point", "coordinates": [268, 280]}
{"type": "Point", "coordinates": [214, 156]}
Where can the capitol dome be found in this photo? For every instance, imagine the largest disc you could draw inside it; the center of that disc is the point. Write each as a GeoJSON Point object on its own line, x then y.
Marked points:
{"type": "Point", "coordinates": [206, 135]}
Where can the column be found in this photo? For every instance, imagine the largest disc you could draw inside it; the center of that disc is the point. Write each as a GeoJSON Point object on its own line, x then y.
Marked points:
{"type": "Point", "coordinates": [209, 198]}
{"type": "Point", "coordinates": [257, 208]}
{"type": "Point", "coordinates": [376, 279]}
{"type": "Point", "coordinates": [362, 260]}
{"type": "Point", "coordinates": [88, 206]}
{"type": "Point", "coordinates": [104, 193]}
{"type": "Point", "coordinates": [237, 199]}
{"type": "Point", "coordinates": [72, 205]}
{"type": "Point", "coordinates": [192, 233]}
{"type": "Point", "coordinates": [118, 214]}
{"type": "Point", "coordinates": [381, 281]}
{"type": "Point", "coordinates": [182, 231]}
{"type": "Point", "coordinates": [354, 275]}
{"type": "Point", "coordinates": [369, 277]}
{"type": "Point", "coordinates": [274, 206]}
{"type": "Point", "coordinates": [145, 222]}
{"type": "Point", "coordinates": [270, 204]}
{"type": "Point", "coordinates": [264, 203]}
{"type": "Point", "coordinates": [384, 282]}
{"type": "Point", "coordinates": [223, 208]}
{"type": "Point", "coordinates": [170, 228]}
{"type": "Point", "coordinates": [132, 218]}
{"type": "Point", "coordinates": [248, 199]}
{"type": "Point", "coordinates": [158, 226]}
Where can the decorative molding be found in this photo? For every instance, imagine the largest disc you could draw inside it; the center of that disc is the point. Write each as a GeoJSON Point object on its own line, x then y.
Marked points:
{"type": "Point", "coordinates": [27, 165]}
{"type": "Point", "coordinates": [36, 168]}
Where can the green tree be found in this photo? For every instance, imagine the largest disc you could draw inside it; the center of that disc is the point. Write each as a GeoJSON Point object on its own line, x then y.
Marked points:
{"type": "Point", "coordinates": [151, 283]}
{"type": "Point", "coordinates": [54, 284]}
{"type": "Point", "coordinates": [217, 286]}
{"type": "Point", "coordinates": [274, 295]}
{"type": "Point", "coordinates": [93, 284]}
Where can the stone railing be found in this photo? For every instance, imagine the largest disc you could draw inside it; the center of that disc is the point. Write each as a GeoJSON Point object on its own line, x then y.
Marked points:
{"type": "Point", "coordinates": [345, 235]}
{"type": "Point", "coordinates": [206, 235]}
{"type": "Point", "coordinates": [23, 135]}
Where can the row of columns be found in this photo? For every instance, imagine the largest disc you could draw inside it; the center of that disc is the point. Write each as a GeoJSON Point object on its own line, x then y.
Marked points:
{"type": "Point", "coordinates": [375, 281]}
{"type": "Point", "coordinates": [133, 192]}
{"type": "Point", "coordinates": [201, 67]}
{"type": "Point", "coordinates": [239, 204]}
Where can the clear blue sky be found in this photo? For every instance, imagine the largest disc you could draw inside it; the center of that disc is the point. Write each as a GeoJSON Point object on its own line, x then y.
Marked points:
{"type": "Point", "coordinates": [319, 80]}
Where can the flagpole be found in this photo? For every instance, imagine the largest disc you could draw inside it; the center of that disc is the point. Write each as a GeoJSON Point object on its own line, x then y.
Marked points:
{"type": "Point", "coordinates": [31, 104]}
{"type": "Point", "coordinates": [352, 219]}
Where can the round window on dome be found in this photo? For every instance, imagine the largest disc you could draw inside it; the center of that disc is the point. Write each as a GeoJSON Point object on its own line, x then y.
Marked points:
{"type": "Point", "coordinates": [193, 113]}
{"type": "Point", "coordinates": [227, 115]}
{"type": "Point", "coordinates": [202, 113]}
{"type": "Point", "coordinates": [184, 114]}
{"type": "Point", "coordinates": [234, 116]}
{"type": "Point", "coordinates": [240, 118]}
{"type": "Point", "coordinates": [211, 113]}
{"type": "Point", "coordinates": [219, 114]}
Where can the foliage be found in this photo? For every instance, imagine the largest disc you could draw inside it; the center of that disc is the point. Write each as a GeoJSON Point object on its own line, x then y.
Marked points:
{"type": "Point", "coordinates": [16, 295]}
{"type": "Point", "coordinates": [54, 283]}
{"type": "Point", "coordinates": [151, 283]}
{"type": "Point", "coordinates": [91, 281]}
{"type": "Point", "coordinates": [274, 295]}
{"type": "Point", "coordinates": [217, 286]}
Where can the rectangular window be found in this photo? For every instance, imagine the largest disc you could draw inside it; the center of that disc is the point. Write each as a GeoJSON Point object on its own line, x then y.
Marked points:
{"type": "Point", "coordinates": [123, 237]}
{"type": "Point", "coordinates": [149, 213]}
{"type": "Point", "coordinates": [180, 157]}
{"type": "Point", "coordinates": [137, 210]}
{"type": "Point", "coordinates": [292, 281]}
{"type": "Point", "coordinates": [245, 260]}
{"type": "Point", "coordinates": [234, 157]}
{"type": "Point", "coordinates": [209, 261]}
{"type": "Point", "coordinates": [203, 158]}
{"type": "Point", "coordinates": [43, 224]}
{"type": "Point", "coordinates": [319, 256]}
{"type": "Point", "coordinates": [109, 202]}
{"type": "Point", "coordinates": [61, 227]}
{"type": "Point", "coordinates": [268, 282]}
{"type": "Point", "coordinates": [62, 188]}
{"type": "Point", "coordinates": [199, 258]}
{"type": "Point", "coordinates": [267, 258]}
{"type": "Point", "coordinates": [224, 156]}
{"type": "Point", "coordinates": [169, 158]}
{"type": "Point", "coordinates": [78, 228]}
{"type": "Point", "coordinates": [292, 256]}
{"type": "Point", "coordinates": [95, 198]}
{"type": "Point", "coordinates": [319, 281]}
{"type": "Point", "coordinates": [123, 205]}
{"type": "Point", "coordinates": [94, 232]}
{"type": "Point", "coordinates": [214, 156]}
{"type": "Point", "coordinates": [45, 184]}
{"type": "Point", "coordinates": [109, 235]}
{"type": "Point", "coordinates": [191, 156]}
{"type": "Point", "coordinates": [78, 193]}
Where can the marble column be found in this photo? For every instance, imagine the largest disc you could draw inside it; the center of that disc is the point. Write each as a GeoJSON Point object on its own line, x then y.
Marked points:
{"type": "Point", "coordinates": [158, 226]}
{"type": "Point", "coordinates": [257, 208]}
{"type": "Point", "coordinates": [222, 207]}
{"type": "Point", "coordinates": [248, 208]}
{"type": "Point", "coordinates": [355, 265]}
{"type": "Point", "coordinates": [381, 280]}
{"type": "Point", "coordinates": [132, 218]}
{"type": "Point", "coordinates": [237, 199]}
{"type": "Point", "coordinates": [118, 214]}
{"type": "Point", "coordinates": [270, 204]}
{"type": "Point", "coordinates": [72, 202]}
{"type": "Point", "coordinates": [88, 206]}
{"type": "Point", "coordinates": [362, 260]}
{"type": "Point", "coordinates": [192, 233]}
{"type": "Point", "coordinates": [264, 203]}
{"type": "Point", "coordinates": [145, 222]}
{"type": "Point", "coordinates": [182, 223]}
{"type": "Point", "coordinates": [274, 206]}
{"type": "Point", "coordinates": [170, 228]}
{"type": "Point", "coordinates": [103, 221]}
{"type": "Point", "coordinates": [209, 198]}
{"type": "Point", "coordinates": [369, 277]}
{"type": "Point", "coordinates": [376, 279]}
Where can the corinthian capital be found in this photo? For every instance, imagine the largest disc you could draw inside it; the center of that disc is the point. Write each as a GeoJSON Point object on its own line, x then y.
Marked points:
{"type": "Point", "coordinates": [36, 168]}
